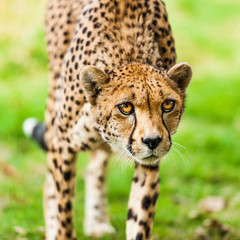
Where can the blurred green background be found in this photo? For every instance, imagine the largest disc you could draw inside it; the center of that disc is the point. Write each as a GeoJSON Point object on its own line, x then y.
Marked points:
{"type": "Point", "coordinates": [207, 35]}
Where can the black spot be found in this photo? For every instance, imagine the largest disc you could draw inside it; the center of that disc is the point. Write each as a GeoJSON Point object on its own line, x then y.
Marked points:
{"type": "Point", "coordinates": [55, 163]}
{"type": "Point", "coordinates": [58, 186]}
{"type": "Point", "coordinates": [154, 199]}
{"type": "Point", "coordinates": [135, 179]}
{"type": "Point", "coordinates": [92, 140]}
{"type": "Point", "coordinates": [66, 191]}
{"type": "Point", "coordinates": [157, 9]}
{"type": "Point", "coordinates": [143, 223]}
{"type": "Point", "coordinates": [70, 150]}
{"type": "Point", "coordinates": [59, 208]}
{"type": "Point", "coordinates": [97, 25]}
{"type": "Point", "coordinates": [131, 215]}
{"type": "Point", "coordinates": [60, 150]}
{"type": "Point", "coordinates": [86, 146]}
{"type": "Point", "coordinates": [66, 41]}
{"type": "Point", "coordinates": [69, 234]}
{"type": "Point", "coordinates": [154, 184]}
{"type": "Point", "coordinates": [69, 220]}
{"type": "Point", "coordinates": [139, 236]}
{"type": "Point", "coordinates": [165, 17]}
{"type": "Point", "coordinates": [143, 183]}
{"type": "Point", "coordinates": [66, 162]}
{"type": "Point", "coordinates": [146, 202]}
{"type": "Point", "coordinates": [154, 22]}
{"type": "Point", "coordinates": [61, 129]}
{"type": "Point", "coordinates": [68, 205]}
{"type": "Point", "coordinates": [147, 231]}
{"type": "Point", "coordinates": [63, 224]}
{"type": "Point", "coordinates": [67, 175]}
{"type": "Point", "coordinates": [76, 66]}
{"type": "Point", "coordinates": [86, 128]}
{"type": "Point", "coordinates": [101, 178]}
{"type": "Point", "coordinates": [163, 50]}
{"type": "Point", "coordinates": [84, 30]}
{"type": "Point", "coordinates": [95, 19]}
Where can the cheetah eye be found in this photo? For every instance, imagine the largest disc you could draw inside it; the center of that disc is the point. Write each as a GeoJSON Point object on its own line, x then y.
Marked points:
{"type": "Point", "coordinates": [168, 105]}
{"type": "Point", "coordinates": [126, 108]}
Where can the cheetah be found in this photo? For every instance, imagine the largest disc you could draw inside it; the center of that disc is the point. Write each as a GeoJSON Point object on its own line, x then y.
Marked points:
{"type": "Point", "coordinates": [114, 87]}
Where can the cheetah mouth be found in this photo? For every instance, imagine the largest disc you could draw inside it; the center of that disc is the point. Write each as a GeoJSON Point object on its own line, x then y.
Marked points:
{"type": "Point", "coordinates": [150, 159]}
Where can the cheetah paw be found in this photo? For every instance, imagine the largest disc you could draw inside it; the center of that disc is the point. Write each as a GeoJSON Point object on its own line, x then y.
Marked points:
{"type": "Point", "coordinates": [96, 229]}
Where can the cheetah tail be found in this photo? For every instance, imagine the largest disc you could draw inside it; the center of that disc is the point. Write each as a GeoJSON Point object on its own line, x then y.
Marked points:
{"type": "Point", "coordinates": [35, 130]}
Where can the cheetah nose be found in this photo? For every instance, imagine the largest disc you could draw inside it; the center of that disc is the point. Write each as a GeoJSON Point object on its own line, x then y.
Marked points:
{"type": "Point", "coordinates": [152, 143]}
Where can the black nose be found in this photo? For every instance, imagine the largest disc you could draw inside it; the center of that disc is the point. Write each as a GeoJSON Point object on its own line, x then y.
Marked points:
{"type": "Point", "coordinates": [152, 143]}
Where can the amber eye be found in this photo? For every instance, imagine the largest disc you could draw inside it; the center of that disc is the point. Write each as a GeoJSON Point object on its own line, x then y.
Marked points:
{"type": "Point", "coordinates": [126, 108]}
{"type": "Point", "coordinates": [168, 105]}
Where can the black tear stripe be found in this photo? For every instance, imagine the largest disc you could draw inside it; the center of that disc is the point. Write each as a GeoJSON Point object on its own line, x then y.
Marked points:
{"type": "Point", "coordinates": [169, 137]}
{"type": "Point", "coordinates": [148, 101]}
{"type": "Point", "coordinates": [130, 140]}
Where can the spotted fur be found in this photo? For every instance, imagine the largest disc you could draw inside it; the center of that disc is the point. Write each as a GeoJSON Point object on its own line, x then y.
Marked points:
{"type": "Point", "coordinates": [103, 53]}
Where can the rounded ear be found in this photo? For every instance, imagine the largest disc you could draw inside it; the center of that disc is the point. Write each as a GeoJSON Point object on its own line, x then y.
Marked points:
{"type": "Point", "coordinates": [181, 73]}
{"type": "Point", "coordinates": [92, 79]}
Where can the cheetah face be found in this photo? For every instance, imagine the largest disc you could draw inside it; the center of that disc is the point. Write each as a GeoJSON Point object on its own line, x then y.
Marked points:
{"type": "Point", "coordinates": [137, 108]}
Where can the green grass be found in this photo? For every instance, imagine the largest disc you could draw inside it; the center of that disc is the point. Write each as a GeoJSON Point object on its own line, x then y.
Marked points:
{"type": "Point", "coordinates": [207, 36]}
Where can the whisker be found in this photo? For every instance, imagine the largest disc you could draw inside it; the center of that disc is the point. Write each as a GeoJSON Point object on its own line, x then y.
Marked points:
{"type": "Point", "coordinates": [184, 148]}
{"type": "Point", "coordinates": [173, 158]}
{"type": "Point", "coordinates": [181, 155]}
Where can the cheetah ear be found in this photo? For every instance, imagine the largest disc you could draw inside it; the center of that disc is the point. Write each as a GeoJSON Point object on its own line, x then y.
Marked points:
{"type": "Point", "coordinates": [181, 73]}
{"type": "Point", "coordinates": [92, 79]}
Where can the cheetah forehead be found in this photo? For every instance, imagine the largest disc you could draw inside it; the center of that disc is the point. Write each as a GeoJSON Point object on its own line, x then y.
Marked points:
{"type": "Point", "coordinates": [140, 83]}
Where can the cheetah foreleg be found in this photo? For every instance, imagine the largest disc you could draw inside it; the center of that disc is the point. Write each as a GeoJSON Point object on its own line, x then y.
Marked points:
{"type": "Point", "coordinates": [61, 161]}
{"type": "Point", "coordinates": [50, 208]}
{"type": "Point", "coordinates": [97, 221]}
{"type": "Point", "coordinates": [142, 203]}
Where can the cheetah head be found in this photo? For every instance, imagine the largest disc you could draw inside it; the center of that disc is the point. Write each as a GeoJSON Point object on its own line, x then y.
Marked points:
{"type": "Point", "coordinates": [137, 108]}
